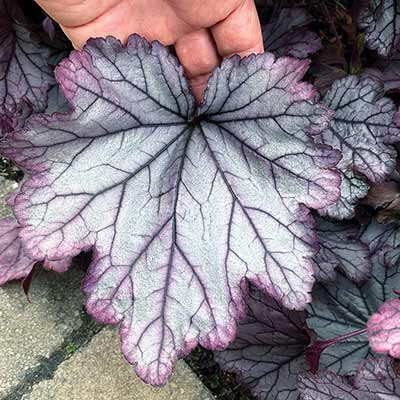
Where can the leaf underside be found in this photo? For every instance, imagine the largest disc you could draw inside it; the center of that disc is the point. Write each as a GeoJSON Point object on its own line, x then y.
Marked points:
{"type": "Point", "coordinates": [181, 204]}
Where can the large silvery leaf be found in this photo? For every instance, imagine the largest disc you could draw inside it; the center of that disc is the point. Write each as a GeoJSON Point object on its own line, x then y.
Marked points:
{"type": "Point", "coordinates": [384, 329]}
{"type": "Point", "coordinates": [24, 70]}
{"type": "Point", "coordinates": [375, 380]}
{"type": "Point", "coordinates": [180, 205]}
{"type": "Point", "coordinates": [340, 248]}
{"type": "Point", "coordinates": [287, 34]}
{"type": "Point", "coordinates": [344, 307]}
{"type": "Point", "coordinates": [268, 352]}
{"type": "Point", "coordinates": [362, 129]}
{"type": "Point", "coordinates": [381, 21]}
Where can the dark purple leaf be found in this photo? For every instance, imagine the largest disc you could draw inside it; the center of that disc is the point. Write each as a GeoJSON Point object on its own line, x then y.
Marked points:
{"type": "Point", "coordinates": [384, 329]}
{"type": "Point", "coordinates": [268, 352]}
{"type": "Point", "coordinates": [362, 129]}
{"type": "Point", "coordinates": [381, 21]}
{"type": "Point", "coordinates": [340, 248]}
{"type": "Point", "coordinates": [327, 385]}
{"type": "Point", "coordinates": [27, 281]}
{"type": "Point", "coordinates": [179, 205]}
{"type": "Point", "coordinates": [24, 71]}
{"type": "Point", "coordinates": [330, 65]}
{"type": "Point", "coordinates": [375, 380]}
{"type": "Point", "coordinates": [377, 375]}
{"type": "Point", "coordinates": [10, 11]}
{"type": "Point", "coordinates": [287, 34]}
{"type": "Point", "coordinates": [384, 242]}
{"type": "Point", "coordinates": [345, 307]}
{"type": "Point", "coordinates": [10, 122]}
{"type": "Point", "coordinates": [59, 46]}
{"type": "Point", "coordinates": [387, 71]}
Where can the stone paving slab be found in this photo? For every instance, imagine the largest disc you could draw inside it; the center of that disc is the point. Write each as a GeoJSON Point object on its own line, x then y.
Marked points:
{"type": "Point", "coordinates": [51, 350]}
{"type": "Point", "coordinates": [100, 372]}
{"type": "Point", "coordinates": [31, 332]}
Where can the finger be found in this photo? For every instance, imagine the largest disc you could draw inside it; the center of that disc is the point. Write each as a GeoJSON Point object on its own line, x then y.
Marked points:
{"type": "Point", "coordinates": [239, 33]}
{"type": "Point", "coordinates": [198, 55]}
{"type": "Point", "coordinates": [112, 17]}
{"type": "Point", "coordinates": [72, 13]}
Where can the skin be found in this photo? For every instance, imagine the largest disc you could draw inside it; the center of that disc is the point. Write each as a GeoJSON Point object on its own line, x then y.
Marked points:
{"type": "Point", "coordinates": [202, 31]}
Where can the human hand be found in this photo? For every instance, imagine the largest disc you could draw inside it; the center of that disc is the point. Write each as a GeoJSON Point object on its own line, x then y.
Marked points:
{"type": "Point", "coordinates": [201, 31]}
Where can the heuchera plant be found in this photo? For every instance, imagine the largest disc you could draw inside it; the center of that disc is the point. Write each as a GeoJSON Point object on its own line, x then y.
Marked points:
{"type": "Point", "coordinates": [253, 224]}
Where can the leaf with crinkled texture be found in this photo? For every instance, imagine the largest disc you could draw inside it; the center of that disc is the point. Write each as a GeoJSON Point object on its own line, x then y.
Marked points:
{"type": "Point", "coordinates": [384, 329]}
{"type": "Point", "coordinates": [377, 375]}
{"type": "Point", "coordinates": [381, 21]}
{"type": "Point", "coordinates": [326, 385]}
{"type": "Point", "coordinates": [344, 307]}
{"type": "Point", "coordinates": [287, 34]}
{"type": "Point", "coordinates": [268, 352]}
{"type": "Point", "coordinates": [387, 71]}
{"type": "Point", "coordinates": [15, 263]}
{"type": "Point", "coordinates": [340, 248]}
{"type": "Point", "coordinates": [179, 205]}
{"type": "Point", "coordinates": [363, 129]}
{"type": "Point", "coordinates": [375, 380]}
{"type": "Point", "coordinates": [24, 71]}
{"type": "Point", "coordinates": [353, 190]}
{"type": "Point", "coordinates": [10, 122]}
{"type": "Point", "coordinates": [329, 66]}
{"type": "Point", "coordinates": [383, 241]}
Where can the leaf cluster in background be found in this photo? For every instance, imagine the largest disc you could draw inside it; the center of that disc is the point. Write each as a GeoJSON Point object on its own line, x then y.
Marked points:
{"type": "Point", "coordinates": [262, 224]}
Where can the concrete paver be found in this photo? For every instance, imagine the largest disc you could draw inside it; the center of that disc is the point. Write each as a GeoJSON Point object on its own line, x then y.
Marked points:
{"type": "Point", "coordinates": [30, 332]}
{"type": "Point", "coordinates": [100, 372]}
